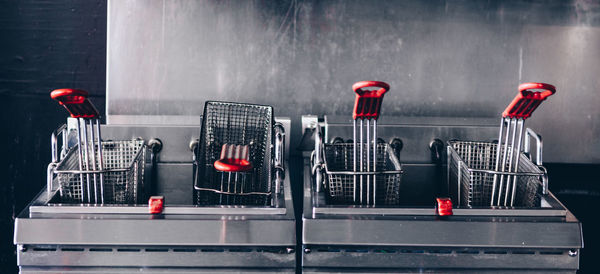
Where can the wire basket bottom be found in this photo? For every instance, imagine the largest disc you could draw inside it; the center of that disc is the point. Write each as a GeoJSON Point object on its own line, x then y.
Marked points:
{"type": "Point", "coordinates": [212, 198]}
{"type": "Point", "coordinates": [348, 189]}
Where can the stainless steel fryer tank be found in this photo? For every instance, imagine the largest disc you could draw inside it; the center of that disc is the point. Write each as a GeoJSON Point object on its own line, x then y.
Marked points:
{"type": "Point", "coordinates": [64, 237]}
{"type": "Point", "coordinates": [411, 236]}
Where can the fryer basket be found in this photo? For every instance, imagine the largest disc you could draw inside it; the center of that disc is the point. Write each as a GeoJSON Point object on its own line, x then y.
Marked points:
{"type": "Point", "coordinates": [239, 124]}
{"type": "Point", "coordinates": [123, 174]}
{"type": "Point", "coordinates": [471, 172]}
{"type": "Point", "coordinates": [340, 177]}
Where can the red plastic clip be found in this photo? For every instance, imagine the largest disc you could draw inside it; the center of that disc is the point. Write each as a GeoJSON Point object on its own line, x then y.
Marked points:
{"type": "Point", "coordinates": [528, 100]}
{"type": "Point", "coordinates": [76, 102]}
{"type": "Point", "coordinates": [156, 204]}
{"type": "Point", "coordinates": [368, 102]}
{"type": "Point", "coordinates": [443, 207]}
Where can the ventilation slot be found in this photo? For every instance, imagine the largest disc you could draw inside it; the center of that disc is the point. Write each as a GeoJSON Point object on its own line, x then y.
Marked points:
{"type": "Point", "coordinates": [495, 252]}
{"type": "Point", "coordinates": [184, 250]}
{"type": "Point", "coordinates": [357, 250]}
{"type": "Point", "coordinates": [384, 251]}
{"type": "Point", "coordinates": [44, 249]}
{"type": "Point", "coordinates": [72, 249]}
{"type": "Point", "coordinates": [412, 251]}
{"type": "Point", "coordinates": [467, 251]}
{"type": "Point", "coordinates": [519, 252]}
{"type": "Point", "coordinates": [440, 251]}
{"type": "Point", "coordinates": [128, 250]}
{"type": "Point", "coordinates": [101, 249]}
{"type": "Point", "coordinates": [212, 250]}
{"type": "Point", "coordinates": [240, 250]}
{"type": "Point", "coordinates": [157, 250]}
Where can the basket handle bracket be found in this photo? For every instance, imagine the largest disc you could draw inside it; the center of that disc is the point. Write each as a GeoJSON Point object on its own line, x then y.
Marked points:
{"type": "Point", "coordinates": [529, 133]}
{"type": "Point", "coordinates": [278, 162]}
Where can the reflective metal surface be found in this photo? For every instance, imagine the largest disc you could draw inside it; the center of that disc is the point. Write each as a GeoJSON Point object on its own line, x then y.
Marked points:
{"type": "Point", "coordinates": [411, 236]}
{"type": "Point", "coordinates": [441, 58]}
{"type": "Point", "coordinates": [84, 238]}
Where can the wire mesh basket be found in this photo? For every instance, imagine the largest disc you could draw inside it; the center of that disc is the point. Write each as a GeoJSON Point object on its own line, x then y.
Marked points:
{"type": "Point", "coordinates": [471, 172]}
{"type": "Point", "coordinates": [122, 175]}
{"type": "Point", "coordinates": [343, 185]}
{"type": "Point", "coordinates": [240, 124]}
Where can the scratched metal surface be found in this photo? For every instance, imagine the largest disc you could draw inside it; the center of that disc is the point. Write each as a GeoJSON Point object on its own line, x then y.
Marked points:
{"type": "Point", "coordinates": [442, 58]}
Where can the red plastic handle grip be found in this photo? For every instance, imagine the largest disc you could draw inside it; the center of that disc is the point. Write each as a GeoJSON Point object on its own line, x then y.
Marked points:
{"type": "Point", "coordinates": [368, 102]}
{"type": "Point", "coordinates": [528, 100]}
{"type": "Point", "coordinates": [234, 158]}
{"type": "Point", "coordinates": [76, 102]}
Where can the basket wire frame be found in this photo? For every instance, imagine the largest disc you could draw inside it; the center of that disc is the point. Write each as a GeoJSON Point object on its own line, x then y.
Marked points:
{"type": "Point", "coordinates": [471, 172]}
{"type": "Point", "coordinates": [239, 124]}
{"type": "Point", "coordinates": [340, 178]}
{"type": "Point", "coordinates": [123, 172]}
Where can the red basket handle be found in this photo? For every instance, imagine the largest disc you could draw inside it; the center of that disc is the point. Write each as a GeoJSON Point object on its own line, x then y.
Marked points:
{"type": "Point", "coordinates": [234, 158]}
{"type": "Point", "coordinates": [368, 102]}
{"type": "Point", "coordinates": [76, 102]}
{"type": "Point", "coordinates": [528, 99]}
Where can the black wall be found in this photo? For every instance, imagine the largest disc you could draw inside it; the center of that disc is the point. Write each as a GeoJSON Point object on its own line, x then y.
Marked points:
{"type": "Point", "coordinates": [44, 45]}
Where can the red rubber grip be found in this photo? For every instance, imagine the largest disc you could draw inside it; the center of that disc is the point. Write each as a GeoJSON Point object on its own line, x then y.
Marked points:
{"type": "Point", "coordinates": [234, 158]}
{"type": "Point", "coordinates": [368, 102]}
{"type": "Point", "coordinates": [76, 102]}
{"type": "Point", "coordinates": [528, 100]}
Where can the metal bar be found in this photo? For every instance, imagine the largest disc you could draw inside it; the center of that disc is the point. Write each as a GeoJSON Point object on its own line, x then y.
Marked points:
{"type": "Point", "coordinates": [94, 162]}
{"type": "Point", "coordinates": [354, 158]}
{"type": "Point", "coordinates": [235, 187]}
{"type": "Point", "coordinates": [375, 161]}
{"type": "Point", "coordinates": [361, 161]}
{"type": "Point", "coordinates": [100, 161]}
{"type": "Point", "coordinates": [368, 161]}
{"type": "Point", "coordinates": [497, 161]}
{"type": "Point", "coordinates": [448, 155]}
{"type": "Point", "coordinates": [87, 162]}
{"type": "Point", "coordinates": [514, 189]}
{"type": "Point", "coordinates": [221, 195]}
{"type": "Point", "coordinates": [79, 151]}
{"type": "Point", "coordinates": [459, 179]}
{"type": "Point", "coordinates": [504, 159]}
{"type": "Point", "coordinates": [510, 159]}
{"type": "Point", "coordinates": [228, 187]}
{"type": "Point", "coordinates": [373, 173]}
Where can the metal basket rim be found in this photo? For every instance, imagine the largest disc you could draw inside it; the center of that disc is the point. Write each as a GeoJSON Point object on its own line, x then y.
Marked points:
{"type": "Point", "coordinates": [239, 104]}
{"type": "Point", "coordinates": [75, 171]}
{"type": "Point", "coordinates": [462, 162]}
{"type": "Point", "coordinates": [388, 149]}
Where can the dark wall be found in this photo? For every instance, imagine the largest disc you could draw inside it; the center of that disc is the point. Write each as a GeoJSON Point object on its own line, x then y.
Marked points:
{"type": "Point", "coordinates": [45, 45]}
